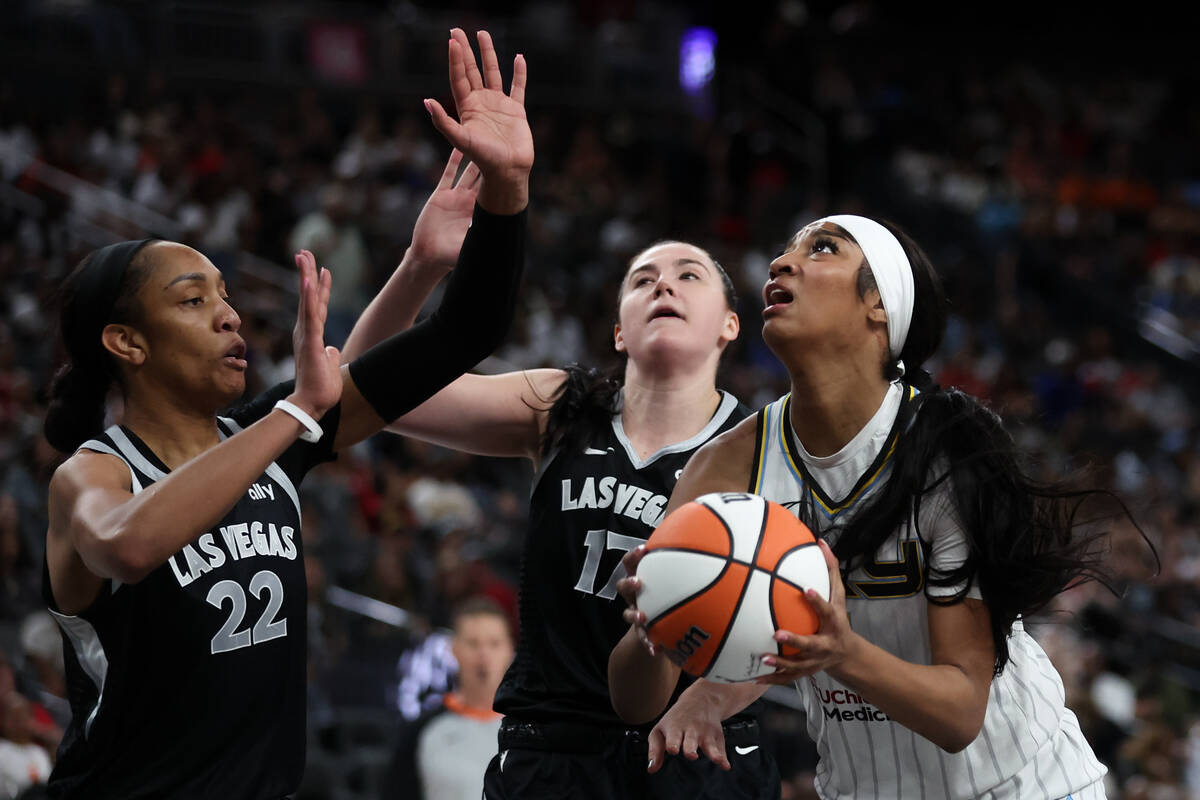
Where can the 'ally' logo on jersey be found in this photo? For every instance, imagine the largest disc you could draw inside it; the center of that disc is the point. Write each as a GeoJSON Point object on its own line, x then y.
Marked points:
{"type": "Point", "coordinates": [260, 491]}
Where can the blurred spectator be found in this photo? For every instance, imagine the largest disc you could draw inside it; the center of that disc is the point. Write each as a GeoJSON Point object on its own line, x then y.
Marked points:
{"type": "Point", "coordinates": [23, 762]}
{"type": "Point", "coordinates": [332, 236]}
{"type": "Point", "coordinates": [444, 752]}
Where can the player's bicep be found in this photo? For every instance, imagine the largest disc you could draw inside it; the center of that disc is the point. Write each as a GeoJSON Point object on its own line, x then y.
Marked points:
{"type": "Point", "coordinates": [492, 415]}
{"type": "Point", "coordinates": [960, 635]}
{"type": "Point", "coordinates": [722, 465]}
{"type": "Point", "coordinates": [86, 496]}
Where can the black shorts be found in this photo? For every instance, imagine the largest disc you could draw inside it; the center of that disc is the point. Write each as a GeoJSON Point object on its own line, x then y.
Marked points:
{"type": "Point", "coordinates": [549, 762]}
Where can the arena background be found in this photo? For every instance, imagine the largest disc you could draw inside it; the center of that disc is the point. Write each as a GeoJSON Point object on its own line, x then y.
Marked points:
{"type": "Point", "coordinates": [1046, 159]}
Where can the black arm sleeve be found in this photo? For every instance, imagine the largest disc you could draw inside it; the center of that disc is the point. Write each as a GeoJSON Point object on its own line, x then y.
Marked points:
{"type": "Point", "coordinates": [398, 374]}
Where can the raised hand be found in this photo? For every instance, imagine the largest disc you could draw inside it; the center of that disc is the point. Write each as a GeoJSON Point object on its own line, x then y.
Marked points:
{"type": "Point", "coordinates": [318, 368]}
{"type": "Point", "coordinates": [443, 222]}
{"type": "Point", "coordinates": [491, 130]}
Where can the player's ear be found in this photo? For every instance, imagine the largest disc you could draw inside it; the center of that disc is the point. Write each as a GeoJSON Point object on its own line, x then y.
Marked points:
{"type": "Point", "coordinates": [618, 339]}
{"type": "Point", "coordinates": [732, 327]}
{"type": "Point", "coordinates": [126, 343]}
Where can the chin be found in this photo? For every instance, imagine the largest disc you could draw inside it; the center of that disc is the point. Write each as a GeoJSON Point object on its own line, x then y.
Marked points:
{"type": "Point", "coordinates": [231, 388]}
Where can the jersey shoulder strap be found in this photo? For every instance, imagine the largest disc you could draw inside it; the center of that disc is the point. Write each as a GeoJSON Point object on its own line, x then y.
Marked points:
{"type": "Point", "coordinates": [115, 442]}
{"type": "Point", "coordinates": [766, 429]}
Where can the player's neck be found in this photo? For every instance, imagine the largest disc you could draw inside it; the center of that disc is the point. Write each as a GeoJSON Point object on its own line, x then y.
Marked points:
{"type": "Point", "coordinates": [659, 410]}
{"type": "Point", "coordinates": [833, 401]}
{"type": "Point", "coordinates": [175, 432]}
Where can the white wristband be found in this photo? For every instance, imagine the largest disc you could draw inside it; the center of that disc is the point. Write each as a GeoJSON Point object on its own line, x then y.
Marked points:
{"type": "Point", "coordinates": [313, 434]}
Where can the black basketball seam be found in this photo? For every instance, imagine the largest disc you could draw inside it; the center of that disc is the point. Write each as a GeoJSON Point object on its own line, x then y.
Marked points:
{"type": "Point", "coordinates": [712, 583]}
{"type": "Point", "coordinates": [671, 609]}
{"type": "Point", "coordinates": [745, 585]}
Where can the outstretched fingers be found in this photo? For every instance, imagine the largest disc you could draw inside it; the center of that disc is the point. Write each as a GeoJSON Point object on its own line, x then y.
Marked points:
{"type": "Point", "coordinates": [470, 176]}
{"type": "Point", "coordinates": [446, 125]}
{"type": "Point", "coordinates": [491, 65]}
{"type": "Point", "coordinates": [451, 170]}
{"type": "Point", "coordinates": [468, 58]}
{"type": "Point", "coordinates": [518, 82]}
{"type": "Point", "coordinates": [460, 83]}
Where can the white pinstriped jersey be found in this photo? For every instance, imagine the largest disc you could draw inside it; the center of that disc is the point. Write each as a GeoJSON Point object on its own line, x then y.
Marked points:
{"type": "Point", "coordinates": [1030, 744]}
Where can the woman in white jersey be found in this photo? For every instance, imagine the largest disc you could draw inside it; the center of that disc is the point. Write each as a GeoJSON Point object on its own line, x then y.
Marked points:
{"type": "Point", "coordinates": [921, 681]}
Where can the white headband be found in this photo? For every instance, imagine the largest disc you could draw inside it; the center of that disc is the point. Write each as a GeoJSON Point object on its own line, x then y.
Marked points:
{"type": "Point", "coordinates": [893, 273]}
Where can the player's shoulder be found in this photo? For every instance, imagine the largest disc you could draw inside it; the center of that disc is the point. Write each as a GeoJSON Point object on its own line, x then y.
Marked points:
{"type": "Point", "coordinates": [87, 469]}
{"type": "Point", "coordinates": [727, 458]}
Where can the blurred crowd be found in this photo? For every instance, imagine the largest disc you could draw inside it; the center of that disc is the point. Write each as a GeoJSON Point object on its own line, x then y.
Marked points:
{"type": "Point", "coordinates": [1061, 205]}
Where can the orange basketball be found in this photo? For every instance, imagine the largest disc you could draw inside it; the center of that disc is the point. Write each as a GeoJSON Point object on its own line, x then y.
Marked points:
{"type": "Point", "coordinates": [720, 576]}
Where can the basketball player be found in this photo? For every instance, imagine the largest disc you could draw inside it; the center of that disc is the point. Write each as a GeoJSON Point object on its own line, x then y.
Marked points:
{"type": "Point", "coordinates": [174, 559]}
{"type": "Point", "coordinates": [921, 680]}
{"type": "Point", "coordinates": [606, 451]}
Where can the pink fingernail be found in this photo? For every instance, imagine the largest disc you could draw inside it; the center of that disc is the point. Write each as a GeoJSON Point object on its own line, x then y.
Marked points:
{"type": "Point", "coordinates": [769, 661]}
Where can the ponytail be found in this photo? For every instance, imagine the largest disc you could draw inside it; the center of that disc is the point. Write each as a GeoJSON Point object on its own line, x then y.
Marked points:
{"type": "Point", "coordinates": [583, 406]}
{"type": "Point", "coordinates": [99, 291]}
{"type": "Point", "coordinates": [76, 410]}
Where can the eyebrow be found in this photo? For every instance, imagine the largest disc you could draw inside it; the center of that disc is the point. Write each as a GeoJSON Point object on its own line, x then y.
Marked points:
{"type": "Point", "coordinates": [679, 262]}
{"type": "Point", "coordinates": [801, 236]}
{"type": "Point", "coordinates": [192, 276]}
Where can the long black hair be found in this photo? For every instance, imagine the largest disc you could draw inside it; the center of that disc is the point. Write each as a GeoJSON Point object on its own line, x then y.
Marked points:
{"type": "Point", "coordinates": [590, 396]}
{"type": "Point", "coordinates": [101, 290]}
{"type": "Point", "coordinates": [1027, 540]}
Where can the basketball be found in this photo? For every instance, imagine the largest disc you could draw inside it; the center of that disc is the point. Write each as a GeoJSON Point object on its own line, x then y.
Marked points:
{"type": "Point", "coordinates": [720, 576]}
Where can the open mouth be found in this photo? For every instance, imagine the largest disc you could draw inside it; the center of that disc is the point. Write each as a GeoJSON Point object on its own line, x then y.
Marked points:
{"type": "Point", "coordinates": [235, 356]}
{"type": "Point", "coordinates": [775, 296]}
{"type": "Point", "coordinates": [665, 313]}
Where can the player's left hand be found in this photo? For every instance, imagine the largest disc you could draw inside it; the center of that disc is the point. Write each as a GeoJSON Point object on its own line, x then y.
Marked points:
{"type": "Point", "coordinates": [691, 728]}
{"type": "Point", "coordinates": [492, 129]}
{"type": "Point", "coordinates": [829, 646]}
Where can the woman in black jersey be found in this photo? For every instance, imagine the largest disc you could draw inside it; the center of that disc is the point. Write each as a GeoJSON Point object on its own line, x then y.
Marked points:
{"type": "Point", "coordinates": [174, 563]}
{"type": "Point", "coordinates": [606, 449]}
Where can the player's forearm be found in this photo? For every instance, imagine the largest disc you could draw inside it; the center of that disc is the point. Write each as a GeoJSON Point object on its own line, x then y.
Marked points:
{"type": "Point", "coordinates": [639, 684]}
{"type": "Point", "coordinates": [939, 701]}
{"type": "Point", "coordinates": [140, 535]}
{"type": "Point", "coordinates": [729, 698]}
{"type": "Point", "coordinates": [395, 307]}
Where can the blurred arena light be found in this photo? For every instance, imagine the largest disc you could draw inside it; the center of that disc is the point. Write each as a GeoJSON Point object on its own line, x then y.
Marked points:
{"type": "Point", "coordinates": [697, 59]}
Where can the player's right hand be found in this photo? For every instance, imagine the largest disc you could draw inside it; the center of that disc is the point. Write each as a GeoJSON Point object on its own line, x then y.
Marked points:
{"type": "Point", "coordinates": [318, 368]}
{"type": "Point", "coordinates": [629, 587]}
{"type": "Point", "coordinates": [443, 222]}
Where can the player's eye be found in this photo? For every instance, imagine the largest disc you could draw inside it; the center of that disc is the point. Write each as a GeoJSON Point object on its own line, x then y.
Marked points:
{"type": "Point", "coordinates": [823, 244]}
{"type": "Point", "coordinates": [689, 274]}
{"type": "Point", "coordinates": [194, 301]}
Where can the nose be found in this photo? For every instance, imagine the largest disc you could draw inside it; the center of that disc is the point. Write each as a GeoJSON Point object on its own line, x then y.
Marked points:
{"type": "Point", "coordinates": [663, 285]}
{"type": "Point", "coordinates": [780, 267]}
{"type": "Point", "coordinates": [227, 318]}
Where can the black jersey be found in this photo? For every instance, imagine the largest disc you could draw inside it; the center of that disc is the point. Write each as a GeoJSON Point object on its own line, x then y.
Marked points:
{"type": "Point", "coordinates": [588, 509]}
{"type": "Point", "coordinates": [191, 682]}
